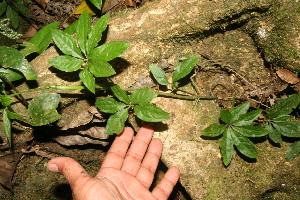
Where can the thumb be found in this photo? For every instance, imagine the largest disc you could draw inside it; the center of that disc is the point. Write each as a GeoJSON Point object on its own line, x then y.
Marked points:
{"type": "Point", "coordinates": [69, 168]}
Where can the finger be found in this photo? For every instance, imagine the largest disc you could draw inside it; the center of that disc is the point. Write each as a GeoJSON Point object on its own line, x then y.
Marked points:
{"type": "Point", "coordinates": [137, 151]}
{"type": "Point", "coordinates": [115, 155]}
{"type": "Point", "coordinates": [150, 162]}
{"type": "Point", "coordinates": [164, 188]}
{"type": "Point", "coordinates": [70, 169]}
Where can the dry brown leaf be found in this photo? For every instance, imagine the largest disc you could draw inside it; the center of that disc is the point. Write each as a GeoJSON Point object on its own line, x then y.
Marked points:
{"type": "Point", "coordinates": [8, 164]}
{"type": "Point", "coordinates": [287, 76]}
{"type": "Point", "coordinates": [82, 118]}
{"type": "Point", "coordinates": [43, 2]}
{"type": "Point", "coordinates": [93, 135]}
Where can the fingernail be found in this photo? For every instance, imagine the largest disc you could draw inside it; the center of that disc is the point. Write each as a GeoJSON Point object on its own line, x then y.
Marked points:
{"type": "Point", "coordinates": [53, 168]}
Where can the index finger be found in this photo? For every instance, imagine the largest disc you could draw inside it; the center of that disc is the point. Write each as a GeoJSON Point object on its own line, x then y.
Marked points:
{"type": "Point", "coordinates": [115, 155]}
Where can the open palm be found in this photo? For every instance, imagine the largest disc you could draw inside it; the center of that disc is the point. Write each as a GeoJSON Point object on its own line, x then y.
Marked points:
{"type": "Point", "coordinates": [127, 171]}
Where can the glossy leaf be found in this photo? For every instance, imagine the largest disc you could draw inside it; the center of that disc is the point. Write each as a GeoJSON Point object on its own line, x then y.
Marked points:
{"type": "Point", "coordinates": [101, 68]}
{"type": "Point", "coordinates": [250, 131]}
{"type": "Point", "coordinates": [66, 63]}
{"type": "Point", "coordinates": [43, 37]}
{"type": "Point", "coordinates": [185, 67]}
{"type": "Point", "coordinates": [71, 29]}
{"type": "Point", "coordinates": [88, 79]}
{"type": "Point", "coordinates": [97, 3]}
{"type": "Point", "coordinates": [284, 106]}
{"type": "Point", "coordinates": [95, 34]}
{"type": "Point", "coordinates": [288, 128]}
{"type": "Point", "coordinates": [66, 43]}
{"type": "Point", "coordinates": [116, 122]}
{"type": "Point", "coordinates": [82, 30]}
{"type": "Point", "coordinates": [27, 70]}
{"type": "Point", "coordinates": [7, 125]}
{"type": "Point", "coordinates": [247, 118]}
{"type": "Point", "coordinates": [293, 151]}
{"type": "Point", "coordinates": [10, 74]}
{"type": "Point", "coordinates": [42, 109]}
{"type": "Point", "coordinates": [226, 146]}
{"type": "Point", "coordinates": [274, 134]}
{"type": "Point", "coordinates": [120, 94]}
{"type": "Point", "coordinates": [109, 105]}
{"type": "Point", "coordinates": [108, 51]}
{"type": "Point", "coordinates": [142, 95]}
{"type": "Point", "coordinates": [150, 113]}
{"type": "Point", "coordinates": [239, 110]}
{"type": "Point", "coordinates": [244, 145]}
{"type": "Point", "coordinates": [13, 16]}
{"type": "Point", "coordinates": [159, 74]}
{"type": "Point", "coordinates": [214, 130]}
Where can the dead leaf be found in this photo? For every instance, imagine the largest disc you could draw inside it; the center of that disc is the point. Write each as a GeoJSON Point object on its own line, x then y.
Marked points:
{"type": "Point", "coordinates": [93, 135]}
{"type": "Point", "coordinates": [43, 2]}
{"type": "Point", "coordinates": [8, 165]}
{"type": "Point", "coordinates": [297, 87]}
{"type": "Point", "coordinates": [83, 7]}
{"type": "Point", "coordinates": [287, 76]}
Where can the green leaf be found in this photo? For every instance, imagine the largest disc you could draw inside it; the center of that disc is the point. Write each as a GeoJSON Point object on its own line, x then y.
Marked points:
{"type": "Point", "coordinates": [66, 63]}
{"type": "Point", "coordinates": [97, 3]}
{"type": "Point", "coordinates": [247, 118]}
{"type": "Point", "coordinates": [185, 67]}
{"type": "Point", "coordinates": [116, 122]}
{"type": "Point", "coordinates": [150, 113]}
{"type": "Point", "coordinates": [10, 57]}
{"type": "Point", "coordinates": [28, 48]}
{"type": "Point", "coordinates": [5, 100]}
{"type": "Point", "coordinates": [284, 106]}
{"type": "Point", "coordinates": [293, 151]}
{"type": "Point", "coordinates": [214, 130]}
{"type": "Point", "coordinates": [108, 51]}
{"type": "Point", "coordinates": [239, 110]}
{"type": "Point", "coordinates": [244, 145]}
{"type": "Point", "coordinates": [142, 95]}
{"type": "Point", "coordinates": [159, 74]}
{"type": "Point", "coordinates": [42, 109]}
{"type": "Point", "coordinates": [88, 80]}
{"type": "Point", "coordinates": [27, 70]}
{"type": "Point", "coordinates": [3, 6]}
{"type": "Point", "coordinates": [95, 34]}
{"type": "Point", "coordinates": [13, 16]}
{"type": "Point", "coordinates": [250, 131]}
{"type": "Point", "coordinates": [71, 29]}
{"type": "Point", "coordinates": [82, 30]}
{"type": "Point", "coordinates": [274, 134]}
{"type": "Point", "coordinates": [12, 115]}
{"type": "Point", "coordinates": [283, 118]}
{"type": "Point", "coordinates": [66, 43]}
{"type": "Point", "coordinates": [288, 128]}
{"type": "Point", "coordinates": [10, 74]}
{"type": "Point", "coordinates": [226, 146]}
{"type": "Point", "coordinates": [120, 94]}
{"type": "Point", "coordinates": [109, 105]}
{"type": "Point", "coordinates": [225, 116]}
{"type": "Point", "coordinates": [101, 68]}
{"type": "Point", "coordinates": [21, 7]}
{"type": "Point", "coordinates": [43, 37]}
{"type": "Point", "coordinates": [7, 125]}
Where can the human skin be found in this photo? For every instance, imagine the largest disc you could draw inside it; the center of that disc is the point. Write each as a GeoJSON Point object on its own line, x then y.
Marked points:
{"type": "Point", "coordinates": [127, 171]}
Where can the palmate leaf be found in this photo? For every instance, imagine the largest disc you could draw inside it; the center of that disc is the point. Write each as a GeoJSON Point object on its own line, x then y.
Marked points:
{"type": "Point", "coordinates": [82, 30]}
{"type": "Point", "coordinates": [184, 68]}
{"type": "Point", "coordinates": [214, 130]}
{"type": "Point", "coordinates": [42, 109]}
{"type": "Point", "coordinates": [238, 111]}
{"type": "Point", "coordinates": [88, 79]}
{"type": "Point", "coordinates": [274, 134]}
{"type": "Point", "coordinates": [100, 68]}
{"type": "Point", "coordinates": [159, 74]}
{"type": "Point", "coordinates": [120, 94]}
{"type": "Point", "coordinates": [250, 131]}
{"type": "Point", "coordinates": [284, 106]}
{"type": "Point", "coordinates": [288, 128]}
{"type": "Point", "coordinates": [116, 122]}
{"type": "Point", "coordinates": [247, 118]}
{"type": "Point", "coordinates": [150, 113]}
{"type": "Point", "coordinates": [108, 51]}
{"type": "Point", "coordinates": [109, 105]}
{"type": "Point", "coordinates": [66, 63]}
{"type": "Point", "coordinates": [226, 147]}
{"type": "Point", "coordinates": [293, 151]}
{"type": "Point", "coordinates": [142, 95]}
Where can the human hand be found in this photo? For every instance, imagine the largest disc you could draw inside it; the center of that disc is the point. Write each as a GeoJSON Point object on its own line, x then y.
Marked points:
{"type": "Point", "coordinates": [127, 171]}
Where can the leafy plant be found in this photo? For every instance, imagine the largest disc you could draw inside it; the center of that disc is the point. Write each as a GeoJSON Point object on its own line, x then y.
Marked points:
{"type": "Point", "coordinates": [137, 102]}
{"type": "Point", "coordinates": [235, 130]}
{"type": "Point", "coordinates": [183, 69]}
{"type": "Point", "coordinates": [6, 31]}
{"type": "Point", "coordinates": [83, 53]}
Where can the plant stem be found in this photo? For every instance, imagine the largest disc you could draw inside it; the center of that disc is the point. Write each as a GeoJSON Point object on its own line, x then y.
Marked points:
{"type": "Point", "coordinates": [186, 97]}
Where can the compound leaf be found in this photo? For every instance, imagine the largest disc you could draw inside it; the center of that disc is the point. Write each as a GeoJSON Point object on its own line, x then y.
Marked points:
{"type": "Point", "coordinates": [288, 128]}
{"type": "Point", "coordinates": [42, 109]}
{"type": "Point", "coordinates": [284, 106]}
{"type": "Point", "coordinates": [116, 122]}
{"type": "Point", "coordinates": [88, 79]}
{"type": "Point", "coordinates": [66, 63]}
{"type": "Point", "coordinates": [120, 94]}
{"type": "Point", "coordinates": [247, 118]}
{"type": "Point", "coordinates": [225, 116]}
{"type": "Point", "coordinates": [82, 30]}
{"type": "Point", "coordinates": [214, 130]}
{"type": "Point", "coordinates": [250, 131]}
{"type": "Point", "coordinates": [109, 105]}
{"type": "Point", "coordinates": [108, 51]}
{"type": "Point", "coordinates": [142, 95]}
{"type": "Point", "coordinates": [238, 111]}
{"type": "Point", "coordinates": [184, 68]}
{"type": "Point", "coordinates": [159, 74]}
{"type": "Point", "coordinates": [150, 113]}
{"type": "Point", "coordinates": [274, 134]}
{"type": "Point", "coordinates": [244, 145]}
{"type": "Point", "coordinates": [101, 68]}
{"type": "Point", "coordinates": [226, 146]}
{"type": "Point", "coordinates": [293, 151]}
